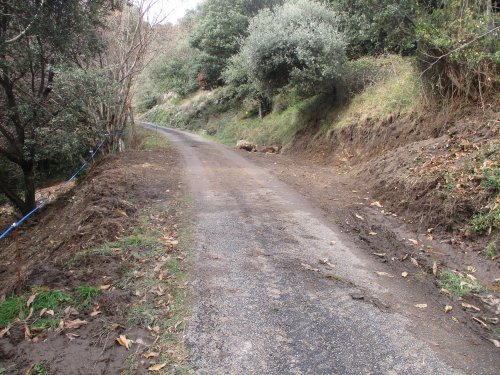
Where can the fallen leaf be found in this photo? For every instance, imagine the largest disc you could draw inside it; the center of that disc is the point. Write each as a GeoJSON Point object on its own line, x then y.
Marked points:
{"type": "Point", "coordinates": [151, 355]}
{"type": "Point", "coordinates": [123, 341]}
{"type": "Point", "coordinates": [404, 274]}
{"type": "Point", "coordinates": [71, 311]}
{"type": "Point", "coordinates": [448, 308]}
{"type": "Point", "coordinates": [5, 331]}
{"type": "Point", "coordinates": [359, 217]}
{"type": "Point", "coordinates": [455, 319]}
{"type": "Point", "coordinates": [157, 367]}
{"type": "Point", "coordinates": [308, 267]}
{"type": "Point", "coordinates": [445, 291]}
{"type": "Point", "coordinates": [71, 336]}
{"type": "Point", "coordinates": [327, 262]}
{"type": "Point", "coordinates": [383, 274]}
{"type": "Point", "coordinates": [471, 269]}
{"type": "Point", "coordinates": [480, 322]}
{"type": "Point", "coordinates": [333, 242]}
{"type": "Point", "coordinates": [155, 329]}
{"type": "Point", "coordinates": [42, 312]}
{"type": "Point", "coordinates": [430, 237]}
{"type": "Point", "coordinates": [121, 212]}
{"type": "Point", "coordinates": [105, 287]}
{"type": "Point", "coordinates": [29, 314]}
{"type": "Point", "coordinates": [27, 333]}
{"type": "Point", "coordinates": [414, 261]}
{"type": "Point", "coordinates": [469, 306]}
{"type": "Point", "coordinates": [381, 255]}
{"type": "Point", "coordinates": [473, 278]}
{"type": "Point", "coordinates": [60, 326]}
{"type": "Point", "coordinates": [141, 342]}
{"type": "Point", "coordinates": [421, 305]}
{"type": "Point", "coordinates": [415, 242]}
{"type": "Point", "coordinates": [434, 268]}
{"type": "Point", "coordinates": [376, 204]}
{"type": "Point", "coordinates": [74, 324]}
{"type": "Point", "coordinates": [30, 300]}
{"type": "Point", "coordinates": [372, 233]}
{"type": "Point", "coordinates": [495, 342]}
{"type": "Point", "coordinates": [95, 313]}
{"type": "Point", "coordinates": [404, 257]}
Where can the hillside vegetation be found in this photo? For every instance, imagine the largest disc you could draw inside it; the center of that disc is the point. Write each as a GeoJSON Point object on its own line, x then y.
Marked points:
{"type": "Point", "coordinates": [401, 95]}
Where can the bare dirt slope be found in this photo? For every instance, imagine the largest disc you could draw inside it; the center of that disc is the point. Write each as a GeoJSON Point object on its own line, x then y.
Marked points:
{"type": "Point", "coordinates": [279, 287]}
{"type": "Point", "coordinates": [105, 238]}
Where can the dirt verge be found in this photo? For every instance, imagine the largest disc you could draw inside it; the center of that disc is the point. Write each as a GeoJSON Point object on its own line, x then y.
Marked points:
{"type": "Point", "coordinates": [104, 286]}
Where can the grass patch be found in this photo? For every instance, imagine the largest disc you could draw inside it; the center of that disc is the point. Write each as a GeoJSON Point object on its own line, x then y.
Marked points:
{"type": "Point", "coordinates": [50, 299]}
{"type": "Point", "coordinates": [40, 368]}
{"type": "Point", "coordinates": [482, 222]}
{"type": "Point", "coordinates": [55, 300]}
{"type": "Point", "coordinates": [86, 294]}
{"type": "Point", "coordinates": [394, 89]}
{"type": "Point", "coordinates": [490, 251]}
{"type": "Point", "coordinates": [457, 284]}
{"type": "Point", "coordinates": [45, 324]}
{"type": "Point", "coordinates": [10, 309]}
{"type": "Point", "coordinates": [146, 139]}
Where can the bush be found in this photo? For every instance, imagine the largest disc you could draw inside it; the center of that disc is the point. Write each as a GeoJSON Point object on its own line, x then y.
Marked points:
{"type": "Point", "coordinates": [294, 45]}
{"type": "Point", "coordinates": [375, 27]}
{"type": "Point", "coordinates": [454, 67]}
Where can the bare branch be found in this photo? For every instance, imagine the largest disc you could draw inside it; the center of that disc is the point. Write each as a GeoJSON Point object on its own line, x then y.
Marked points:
{"type": "Point", "coordinates": [22, 33]}
{"type": "Point", "coordinates": [458, 48]}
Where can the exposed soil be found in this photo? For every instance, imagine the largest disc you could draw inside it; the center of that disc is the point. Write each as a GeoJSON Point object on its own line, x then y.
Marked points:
{"type": "Point", "coordinates": [381, 187]}
{"type": "Point", "coordinates": [427, 167]}
{"type": "Point", "coordinates": [280, 284]}
{"type": "Point", "coordinates": [120, 193]}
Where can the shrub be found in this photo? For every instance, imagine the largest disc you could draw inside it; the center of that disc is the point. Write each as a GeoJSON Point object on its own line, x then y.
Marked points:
{"type": "Point", "coordinates": [294, 45]}
{"type": "Point", "coordinates": [461, 53]}
{"type": "Point", "coordinates": [375, 27]}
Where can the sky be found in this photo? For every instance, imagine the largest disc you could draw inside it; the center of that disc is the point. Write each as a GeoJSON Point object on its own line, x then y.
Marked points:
{"type": "Point", "coordinates": [173, 10]}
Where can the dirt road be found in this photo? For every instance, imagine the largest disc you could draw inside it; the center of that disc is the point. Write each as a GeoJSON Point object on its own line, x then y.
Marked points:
{"type": "Point", "coordinates": [278, 289]}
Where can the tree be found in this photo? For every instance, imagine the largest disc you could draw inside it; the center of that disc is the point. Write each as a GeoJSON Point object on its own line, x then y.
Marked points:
{"type": "Point", "coordinates": [294, 45]}
{"type": "Point", "coordinates": [39, 39]}
{"type": "Point", "coordinates": [127, 36]}
{"type": "Point", "coordinates": [222, 26]}
{"type": "Point", "coordinates": [375, 27]}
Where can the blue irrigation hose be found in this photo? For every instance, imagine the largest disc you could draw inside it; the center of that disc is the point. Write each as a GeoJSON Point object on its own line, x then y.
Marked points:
{"type": "Point", "coordinates": [34, 210]}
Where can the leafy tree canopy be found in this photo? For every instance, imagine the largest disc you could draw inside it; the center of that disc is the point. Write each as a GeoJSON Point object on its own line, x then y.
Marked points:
{"type": "Point", "coordinates": [297, 44]}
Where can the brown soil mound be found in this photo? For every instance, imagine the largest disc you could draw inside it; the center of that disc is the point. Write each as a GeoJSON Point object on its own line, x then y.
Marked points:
{"type": "Point", "coordinates": [100, 209]}
{"type": "Point", "coordinates": [429, 168]}
{"type": "Point", "coordinates": [104, 207]}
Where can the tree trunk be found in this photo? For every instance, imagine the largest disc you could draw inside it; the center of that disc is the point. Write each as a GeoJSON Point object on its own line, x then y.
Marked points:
{"type": "Point", "coordinates": [29, 187]}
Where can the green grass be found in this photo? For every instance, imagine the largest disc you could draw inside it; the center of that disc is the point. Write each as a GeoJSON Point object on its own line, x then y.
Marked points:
{"type": "Point", "coordinates": [396, 92]}
{"type": "Point", "coordinates": [40, 368]}
{"type": "Point", "coordinates": [55, 300]}
{"type": "Point", "coordinates": [490, 251]}
{"type": "Point", "coordinates": [50, 299]}
{"type": "Point", "coordinates": [482, 222]}
{"type": "Point", "coordinates": [10, 309]}
{"type": "Point", "coordinates": [45, 324]}
{"type": "Point", "coordinates": [86, 294]}
{"type": "Point", "coordinates": [491, 180]}
{"type": "Point", "coordinates": [457, 284]}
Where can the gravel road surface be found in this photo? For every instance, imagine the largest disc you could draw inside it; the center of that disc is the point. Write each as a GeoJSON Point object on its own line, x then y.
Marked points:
{"type": "Point", "coordinates": [278, 290]}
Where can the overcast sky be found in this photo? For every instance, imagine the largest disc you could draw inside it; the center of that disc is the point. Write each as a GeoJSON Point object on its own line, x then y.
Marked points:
{"type": "Point", "coordinates": [173, 9]}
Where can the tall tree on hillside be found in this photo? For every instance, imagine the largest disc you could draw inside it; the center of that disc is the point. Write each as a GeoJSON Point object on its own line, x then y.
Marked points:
{"type": "Point", "coordinates": [221, 27]}
{"type": "Point", "coordinates": [38, 39]}
{"type": "Point", "coordinates": [127, 36]}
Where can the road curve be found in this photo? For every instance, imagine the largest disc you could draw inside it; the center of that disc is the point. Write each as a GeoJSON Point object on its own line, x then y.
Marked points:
{"type": "Point", "coordinates": [263, 303]}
